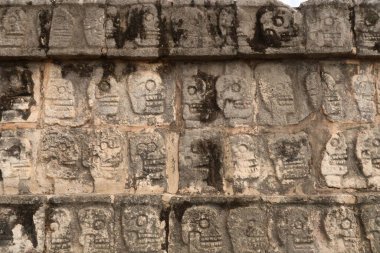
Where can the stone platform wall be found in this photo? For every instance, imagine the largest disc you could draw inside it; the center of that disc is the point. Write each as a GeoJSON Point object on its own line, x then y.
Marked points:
{"type": "Point", "coordinates": [189, 126]}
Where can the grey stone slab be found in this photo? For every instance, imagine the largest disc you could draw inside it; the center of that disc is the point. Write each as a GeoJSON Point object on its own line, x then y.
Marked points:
{"type": "Point", "coordinates": [77, 30]}
{"type": "Point", "coordinates": [329, 26]}
{"type": "Point", "coordinates": [269, 27]}
{"type": "Point", "coordinates": [20, 94]}
{"type": "Point", "coordinates": [201, 28]}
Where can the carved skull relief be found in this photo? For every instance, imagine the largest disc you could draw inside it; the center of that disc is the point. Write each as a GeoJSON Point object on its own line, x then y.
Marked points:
{"type": "Point", "coordinates": [107, 95]}
{"type": "Point", "coordinates": [62, 28]}
{"type": "Point", "coordinates": [371, 220]}
{"type": "Point", "coordinates": [248, 228]}
{"type": "Point", "coordinates": [93, 25]}
{"type": "Point", "coordinates": [314, 89]}
{"type": "Point", "coordinates": [60, 235]}
{"type": "Point", "coordinates": [150, 30]}
{"type": "Point", "coordinates": [332, 103]}
{"type": "Point", "coordinates": [96, 229]}
{"type": "Point", "coordinates": [278, 26]}
{"type": "Point", "coordinates": [334, 163]}
{"type": "Point", "coordinates": [146, 92]}
{"type": "Point", "coordinates": [296, 230]}
{"type": "Point", "coordinates": [142, 229]}
{"type": "Point", "coordinates": [276, 91]}
{"type": "Point", "coordinates": [201, 230]}
{"type": "Point", "coordinates": [363, 85]}
{"type": "Point", "coordinates": [226, 22]}
{"type": "Point", "coordinates": [342, 229]}
{"type": "Point", "coordinates": [367, 24]}
{"type": "Point", "coordinates": [148, 154]}
{"type": "Point", "coordinates": [13, 27]}
{"type": "Point", "coordinates": [368, 152]}
{"type": "Point", "coordinates": [234, 97]}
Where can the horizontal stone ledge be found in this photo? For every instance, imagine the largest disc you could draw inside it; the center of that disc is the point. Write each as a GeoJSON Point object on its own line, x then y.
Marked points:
{"type": "Point", "coordinates": [151, 29]}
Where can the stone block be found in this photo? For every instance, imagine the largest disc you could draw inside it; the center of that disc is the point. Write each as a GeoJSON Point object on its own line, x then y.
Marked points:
{"type": "Point", "coordinates": [198, 28]}
{"type": "Point", "coordinates": [78, 29]}
{"type": "Point", "coordinates": [367, 27]}
{"type": "Point", "coordinates": [328, 26]}
{"type": "Point", "coordinates": [269, 27]}
{"type": "Point", "coordinates": [20, 98]}
{"type": "Point", "coordinates": [25, 28]}
{"type": "Point", "coordinates": [133, 28]}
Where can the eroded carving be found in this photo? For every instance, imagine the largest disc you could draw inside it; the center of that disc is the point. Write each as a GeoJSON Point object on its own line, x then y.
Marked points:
{"type": "Point", "coordinates": [367, 25]}
{"type": "Point", "coordinates": [371, 219]}
{"type": "Point", "coordinates": [96, 226]}
{"type": "Point", "coordinates": [332, 103]}
{"type": "Point", "coordinates": [201, 230]}
{"type": "Point", "coordinates": [62, 28]}
{"type": "Point", "coordinates": [142, 229]}
{"type": "Point", "coordinates": [93, 24]}
{"type": "Point", "coordinates": [364, 89]}
{"type": "Point", "coordinates": [13, 27]}
{"type": "Point", "coordinates": [60, 235]}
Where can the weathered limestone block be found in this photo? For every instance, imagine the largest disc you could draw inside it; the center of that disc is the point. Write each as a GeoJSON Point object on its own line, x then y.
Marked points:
{"type": "Point", "coordinates": [291, 156]}
{"type": "Point", "coordinates": [250, 169]}
{"type": "Point", "coordinates": [151, 164]}
{"type": "Point", "coordinates": [215, 94]}
{"type": "Point", "coordinates": [18, 161]}
{"type": "Point", "coordinates": [133, 28]}
{"type": "Point", "coordinates": [370, 215]}
{"type": "Point", "coordinates": [269, 27]}
{"type": "Point", "coordinates": [140, 223]}
{"type": "Point", "coordinates": [339, 165]}
{"type": "Point", "coordinates": [22, 222]}
{"type": "Point", "coordinates": [281, 95]}
{"type": "Point", "coordinates": [24, 28]}
{"type": "Point", "coordinates": [20, 92]}
{"type": "Point", "coordinates": [77, 29]}
{"type": "Point", "coordinates": [198, 28]}
{"type": "Point", "coordinates": [65, 89]}
{"type": "Point", "coordinates": [201, 162]}
{"type": "Point", "coordinates": [367, 27]}
{"type": "Point", "coordinates": [349, 91]}
{"type": "Point", "coordinates": [328, 26]}
{"type": "Point", "coordinates": [77, 224]}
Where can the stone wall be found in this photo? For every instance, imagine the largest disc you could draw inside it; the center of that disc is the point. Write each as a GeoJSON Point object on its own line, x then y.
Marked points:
{"type": "Point", "coordinates": [189, 126]}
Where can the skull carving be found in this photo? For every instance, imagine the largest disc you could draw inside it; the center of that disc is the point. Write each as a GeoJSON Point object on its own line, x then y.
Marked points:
{"type": "Point", "coordinates": [96, 229]}
{"type": "Point", "coordinates": [60, 235]}
{"type": "Point", "coordinates": [334, 162]}
{"type": "Point", "coordinates": [199, 95]}
{"type": "Point", "coordinates": [234, 97]}
{"type": "Point", "coordinates": [147, 93]}
{"type": "Point", "coordinates": [364, 89]}
{"type": "Point", "coordinates": [226, 22]}
{"type": "Point", "coordinates": [248, 227]}
{"type": "Point", "coordinates": [342, 228]}
{"type": "Point", "coordinates": [149, 33]}
{"type": "Point", "coordinates": [276, 91]}
{"type": "Point", "coordinates": [277, 26]}
{"type": "Point", "coordinates": [368, 27]}
{"type": "Point", "coordinates": [7, 223]}
{"type": "Point", "coordinates": [332, 103]}
{"type": "Point", "coordinates": [107, 95]}
{"type": "Point", "coordinates": [201, 230]}
{"type": "Point", "coordinates": [296, 230]}
{"type": "Point", "coordinates": [314, 89]}
{"type": "Point", "coordinates": [290, 154]}
{"type": "Point", "coordinates": [187, 27]}
{"type": "Point", "coordinates": [244, 157]}
{"type": "Point", "coordinates": [148, 154]}
{"type": "Point", "coordinates": [142, 229]}
{"type": "Point", "coordinates": [368, 152]}
{"type": "Point", "coordinates": [371, 219]}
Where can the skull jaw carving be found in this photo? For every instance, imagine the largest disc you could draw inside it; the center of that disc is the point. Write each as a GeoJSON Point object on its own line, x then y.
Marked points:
{"type": "Point", "coordinates": [149, 37]}
{"type": "Point", "coordinates": [368, 28]}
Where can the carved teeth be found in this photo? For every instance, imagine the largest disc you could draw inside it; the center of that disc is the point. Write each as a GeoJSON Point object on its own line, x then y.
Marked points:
{"type": "Point", "coordinates": [332, 36]}
{"type": "Point", "coordinates": [339, 159]}
{"type": "Point", "coordinates": [372, 36]}
{"type": "Point", "coordinates": [285, 100]}
{"type": "Point", "coordinates": [197, 107]}
{"type": "Point", "coordinates": [240, 104]}
{"type": "Point", "coordinates": [154, 97]}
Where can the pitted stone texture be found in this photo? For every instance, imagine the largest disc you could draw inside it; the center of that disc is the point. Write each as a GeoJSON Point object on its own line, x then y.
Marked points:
{"type": "Point", "coordinates": [149, 160]}
{"type": "Point", "coordinates": [80, 226]}
{"type": "Point", "coordinates": [20, 98]}
{"type": "Point", "coordinates": [370, 215]}
{"type": "Point", "coordinates": [339, 165]}
{"type": "Point", "coordinates": [199, 28]}
{"type": "Point", "coordinates": [349, 91]}
{"type": "Point", "coordinates": [291, 156]}
{"type": "Point", "coordinates": [214, 94]}
{"type": "Point", "coordinates": [77, 29]}
{"type": "Point", "coordinates": [328, 26]}
{"type": "Point", "coordinates": [65, 89]}
{"type": "Point", "coordinates": [25, 28]}
{"type": "Point", "coordinates": [18, 161]}
{"type": "Point", "coordinates": [201, 162]}
{"type": "Point", "coordinates": [280, 94]}
{"type": "Point", "coordinates": [367, 27]}
{"type": "Point", "coordinates": [269, 27]}
{"type": "Point", "coordinates": [133, 29]}
{"type": "Point", "coordinates": [250, 168]}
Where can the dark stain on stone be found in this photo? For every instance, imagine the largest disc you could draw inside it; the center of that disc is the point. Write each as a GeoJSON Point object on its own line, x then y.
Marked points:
{"type": "Point", "coordinates": [289, 149]}
{"type": "Point", "coordinates": [135, 27]}
{"type": "Point", "coordinates": [25, 215]}
{"type": "Point", "coordinates": [178, 32]}
{"type": "Point", "coordinates": [377, 46]}
{"type": "Point", "coordinates": [82, 69]}
{"type": "Point", "coordinates": [260, 42]}
{"type": "Point", "coordinates": [129, 68]}
{"type": "Point", "coordinates": [164, 216]}
{"type": "Point", "coordinates": [179, 210]}
{"type": "Point", "coordinates": [163, 37]}
{"type": "Point", "coordinates": [45, 18]}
